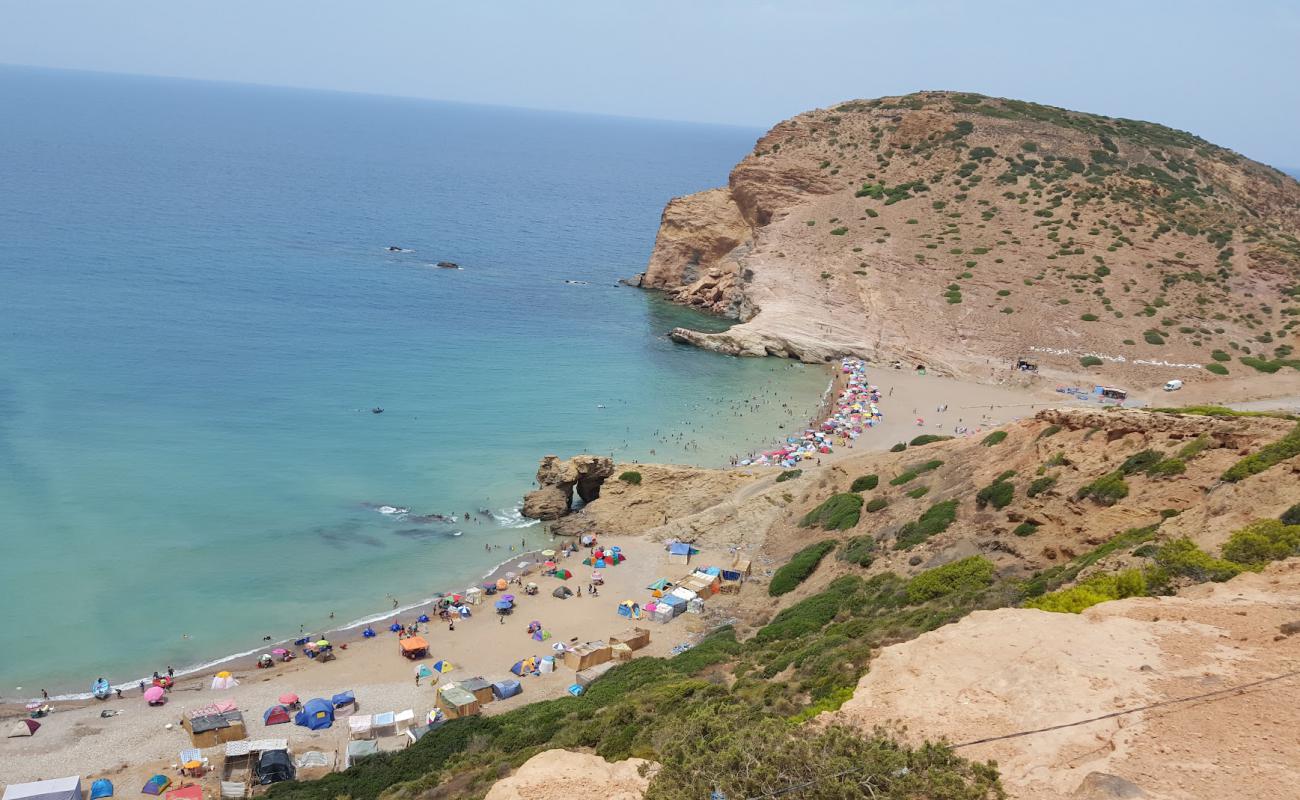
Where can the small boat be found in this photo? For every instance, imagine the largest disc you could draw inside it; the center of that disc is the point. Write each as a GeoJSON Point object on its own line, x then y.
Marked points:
{"type": "Point", "coordinates": [100, 689]}
{"type": "Point", "coordinates": [376, 410]}
{"type": "Point", "coordinates": [448, 265]}
{"type": "Point", "coordinates": [392, 248]}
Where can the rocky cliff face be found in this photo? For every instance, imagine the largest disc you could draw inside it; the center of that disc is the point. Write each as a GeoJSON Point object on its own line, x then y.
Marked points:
{"type": "Point", "coordinates": [957, 231]}
{"type": "Point", "coordinates": [557, 480]}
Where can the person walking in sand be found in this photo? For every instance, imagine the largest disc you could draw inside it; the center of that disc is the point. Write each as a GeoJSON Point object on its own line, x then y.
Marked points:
{"type": "Point", "coordinates": [451, 626]}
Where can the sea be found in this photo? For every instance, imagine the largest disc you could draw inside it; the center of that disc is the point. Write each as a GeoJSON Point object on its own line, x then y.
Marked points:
{"type": "Point", "coordinates": [202, 308]}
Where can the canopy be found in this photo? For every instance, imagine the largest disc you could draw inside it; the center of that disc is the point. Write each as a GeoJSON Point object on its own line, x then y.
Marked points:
{"type": "Point", "coordinates": [316, 714]}
{"type": "Point", "coordinates": [58, 789]}
{"type": "Point", "coordinates": [101, 788]}
{"type": "Point", "coordinates": [288, 698]}
{"type": "Point", "coordinates": [275, 715]}
{"type": "Point", "coordinates": [154, 694]}
{"type": "Point", "coordinates": [413, 646]}
{"type": "Point", "coordinates": [23, 727]}
{"type": "Point", "coordinates": [504, 605]}
{"type": "Point", "coordinates": [157, 784]}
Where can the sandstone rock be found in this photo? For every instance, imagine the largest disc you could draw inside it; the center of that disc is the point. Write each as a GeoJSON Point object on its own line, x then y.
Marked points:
{"type": "Point", "coordinates": [558, 479]}
{"type": "Point", "coordinates": [1100, 786]}
{"type": "Point", "coordinates": [549, 502]}
{"type": "Point", "coordinates": [562, 775]}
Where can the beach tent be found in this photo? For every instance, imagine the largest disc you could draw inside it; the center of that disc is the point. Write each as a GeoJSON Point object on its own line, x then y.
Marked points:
{"type": "Point", "coordinates": [222, 681]}
{"type": "Point", "coordinates": [524, 666]}
{"type": "Point", "coordinates": [630, 609]}
{"type": "Point", "coordinates": [276, 715]}
{"type": "Point", "coordinates": [157, 784]}
{"type": "Point", "coordinates": [155, 695]}
{"type": "Point", "coordinates": [506, 688]}
{"type": "Point", "coordinates": [23, 727]}
{"type": "Point", "coordinates": [101, 788]}
{"type": "Point", "coordinates": [316, 713]}
{"type": "Point", "coordinates": [423, 671]}
{"type": "Point", "coordinates": [274, 766]}
{"type": "Point", "coordinates": [68, 788]}
{"type": "Point", "coordinates": [563, 574]}
{"type": "Point", "coordinates": [413, 647]}
{"type": "Point", "coordinates": [680, 553]}
{"type": "Point", "coordinates": [562, 592]}
{"type": "Point", "coordinates": [344, 698]}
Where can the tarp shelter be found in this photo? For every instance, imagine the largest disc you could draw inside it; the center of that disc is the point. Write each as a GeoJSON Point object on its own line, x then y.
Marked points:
{"type": "Point", "coordinates": [274, 766]}
{"type": "Point", "coordinates": [585, 677]}
{"type": "Point", "coordinates": [359, 726]}
{"type": "Point", "coordinates": [480, 688]}
{"type": "Point", "coordinates": [316, 713]}
{"type": "Point", "coordinates": [587, 655]}
{"type": "Point", "coordinates": [455, 702]}
{"type": "Point", "coordinates": [191, 792]}
{"type": "Point", "coordinates": [562, 592]}
{"type": "Point", "coordinates": [276, 715]}
{"type": "Point", "coordinates": [742, 566]}
{"type": "Point", "coordinates": [68, 788]}
{"type": "Point", "coordinates": [635, 638]}
{"type": "Point", "coordinates": [680, 593]}
{"type": "Point", "coordinates": [361, 749]}
{"type": "Point", "coordinates": [156, 785]}
{"type": "Point", "coordinates": [680, 553]}
{"type": "Point", "coordinates": [507, 688]}
{"type": "Point", "coordinates": [384, 723]}
{"type": "Point", "coordinates": [345, 698]}
{"type": "Point", "coordinates": [630, 609]}
{"type": "Point", "coordinates": [413, 647]}
{"type": "Point", "coordinates": [474, 596]}
{"type": "Point", "coordinates": [209, 727]}
{"type": "Point", "coordinates": [23, 727]}
{"type": "Point", "coordinates": [101, 788]}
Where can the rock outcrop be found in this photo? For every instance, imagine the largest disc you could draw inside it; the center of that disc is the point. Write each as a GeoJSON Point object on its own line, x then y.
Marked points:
{"type": "Point", "coordinates": [557, 480]}
{"type": "Point", "coordinates": [565, 775]}
{"type": "Point", "coordinates": [960, 231]}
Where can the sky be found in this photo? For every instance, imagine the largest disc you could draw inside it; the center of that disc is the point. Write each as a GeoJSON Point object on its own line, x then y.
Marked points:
{"type": "Point", "coordinates": [1227, 71]}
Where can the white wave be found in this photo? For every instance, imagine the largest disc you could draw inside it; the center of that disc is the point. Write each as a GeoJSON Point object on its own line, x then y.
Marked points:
{"type": "Point", "coordinates": [392, 510]}
{"type": "Point", "coordinates": [513, 518]}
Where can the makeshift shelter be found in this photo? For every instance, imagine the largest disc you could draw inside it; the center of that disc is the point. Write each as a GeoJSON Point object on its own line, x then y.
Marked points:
{"type": "Point", "coordinates": [635, 638]}
{"type": "Point", "coordinates": [316, 713]}
{"type": "Point", "coordinates": [101, 788]}
{"type": "Point", "coordinates": [741, 565]}
{"type": "Point", "coordinates": [344, 698]}
{"type": "Point", "coordinates": [385, 723]}
{"type": "Point", "coordinates": [681, 593]}
{"type": "Point", "coordinates": [191, 792]}
{"type": "Point", "coordinates": [506, 688]}
{"type": "Point", "coordinates": [274, 766]}
{"type": "Point", "coordinates": [585, 677]}
{"type": "Point", "coordinates": [276, 715]}
{"type": "Point", "coordinates": [474, 596]}
{"type": "Point", "coordinates": [214, 724]}
{"type": "Point", "coordinates": [23, 727]}
{"type": "Point", "coordinates": [455, 702]}
{"type": "Point", "coordinates": [562, 592]}
{"type": "Point", "coordinates": [413, 647]}
{"type": "Point", "coordinates": [402, 719]}
{"type": "Point", "coordinates": [359, 750]}
{"type": "Point", "coordinates": [587, 655]}
{"type": "Point", "coordinates": [359, 726]}
{"type": "Point", "coordinates": [480, 688]}
{"type": "Point", "coordinates": [630, 609]}
{"type": "Point", "coordinates": [156, 785]}
{"type": "Point", "coordinates": [680, 553]}
{"type": "Point", "coordinates": [68, 788]}
{"type": "Point", "coordinates": [223, 681]}
{"type": "Point", "coordinates": [620, 652]}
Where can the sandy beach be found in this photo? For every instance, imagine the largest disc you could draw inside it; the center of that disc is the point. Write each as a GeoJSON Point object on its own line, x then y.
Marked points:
{"type": "Point", "coordinates": [131, 746]}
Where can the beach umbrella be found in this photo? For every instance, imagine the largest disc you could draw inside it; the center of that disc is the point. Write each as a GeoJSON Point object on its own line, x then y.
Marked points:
{"type": "Point", "coordinates": [549, 553]}
{"type": "Point", "coordinates": [288, 698]}
{"type": "Point", "coordinates": [223, 674]}
{"type": "Point", "coordinates": [549, 565]}
{"type": "Point", "coordinates": [443, 667]}
{"type": "Point", "coordinates": [321, 643]}
{"type": "Point", "coordinates": [501, 584]}
{"type": "Point", "coordinates": [395, 627]}
{"type": "Point", "coordinates": [154, 694]}
{"type": "Point", "coordinates": [423, 618]}
{"type": "Point", "coordinates": [279, 651]}
{"type": "Point", "coordinates": [509, 597]}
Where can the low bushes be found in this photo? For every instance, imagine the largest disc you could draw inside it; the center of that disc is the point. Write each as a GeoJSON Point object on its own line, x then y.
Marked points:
{"type": "Point", "coordinates": [1090, 361]}
{"type": "Point", "coordinates": [800, 566]}
{"type": "Point", "coordinates": [1263, 541]}
{"type": "Point", "coordinates": [839, 512]}
{"type": "Point", "coordinates": [631, 476]}
{"type": "Point", "coordinates": [1216, 369]}
{"type": "Point", "coordinates": [918, 492]}
{"type": "Point", "coordinates": [1025, 528]}
{"type": "Point", "coordinates": [1183, 558]}
{"type": "Point", "coordinates": [1097, 589]}
{"type": "Point", "coordinates": [860, 550]}
{"type": "Point", "coordinates": [1050, 430]}
{"type": "Point", "coordinates": [1040, 485]}
{"type": "Point", "coordinates": [898, 448]}
{"type": "Point", "coordinates": [876, 503]}
{"type": "Point", "coordinates": [899, 480]}
{"type": "Point", "coordinates": [928, 438]}
{"type": "Point", "coordinates": [1291, 516]}
{"type": "Point", "coordinates": [865, 483]}
{"type": "Point", "coordinates": [1140, 461]}
{"type": "Point", "coordinates": [1107, 490]}
{"type": "Point", "coordinates": [993, 438]}
{"type": "Point", "coordinates": [997, 494]}
{"type": "Point", "coordinates": [1286, 447]}
{"type": "Point", "coordinates": [788, 475]}
{"type": "Point", "coordinates": [936, 519]}
{"type": "Point", "coordinates": [1167, 467]}
{"type": "Point", "coordinates": [966, 575]}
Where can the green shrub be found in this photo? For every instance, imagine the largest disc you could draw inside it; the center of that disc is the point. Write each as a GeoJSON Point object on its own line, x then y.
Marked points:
{"type": "Point", "coordinates": [928, 466]}
{"type": "Point", "coordinates": [899, 480]}
{"type": "Point", "coordinates": [997, 494]}
{"type": "Point", "coordinates": [1089, 317]}
{"type": "Point", "coordinates": [800, 566]}
{"type": "Point", "coordinates": [993, 438]}
{"type": "Point", "coordinates": [1167, 468]}
{"type": "Point", "coordinates": [928, 438]}
{"type": "Point", "coordinates": [918, 492]}
{"type": "Point", "coordinates": [1286, 447]}
{"type": "Point", "coordinates": [1040, 485]}
{"type": "Point", "coordinates": [1153, 337]}
{"type": "Point", "coordinates": [1025, 528]}
{"type": "Point", "coordinates": [1292, 515]}
{"type": "Point", "coordinates": [898, 448]}
{"type": "Point", "coordinates": [839, 231]}
{"type": "Point", "coordinates": [1219, 355]}
{"type": "Point", "coordinates": [1217, 369]}
{"type": "Point", "coordinates": [1140, 461]}
{"type": "Point", "coordinates": [865, 483]}
{"type": "Point", "coordinates": [1268, 367]}
{"type": "Point", "coordinates": [631, 476]}
{"type": "Point", "coordinates": [1050, 430]}
{"type": "Point", "coordinates": [1195, 447]}
{"type": "Point", "coordinates": [1183, 558]}
{"type": "Point", "coordinates": [1097, 589]}
{"type": "Point", "coordinates": [876, 503]}
{"type": "Point", "coordinates": [788, 475]}
{"type": "Point", "coordinates": [1090, 361]}
{"type": "Point", "coordinates": [1261, 542]}
{"type": "Point", "coordinates": [1107, 490]}
{"type": "Point", "coordinates": [839, 512]}
{"type": "Point", "coordinates": [935, 520]}
{"type": "Point", "coordinates": [967, 575]}
{"type": "Point", "coordinates": [860, 550]}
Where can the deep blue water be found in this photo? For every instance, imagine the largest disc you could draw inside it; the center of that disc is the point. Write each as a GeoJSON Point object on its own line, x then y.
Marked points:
{"type": "Point", "coordinates": [198, 310]}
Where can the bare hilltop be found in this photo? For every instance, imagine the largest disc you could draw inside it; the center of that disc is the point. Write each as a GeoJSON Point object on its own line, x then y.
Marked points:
{"type": "Point", "coordinates": [963, 231]}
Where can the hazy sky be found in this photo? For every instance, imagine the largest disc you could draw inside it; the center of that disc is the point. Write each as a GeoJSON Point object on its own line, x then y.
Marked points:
{"type": "Point", "coordinates": [1227, 70]}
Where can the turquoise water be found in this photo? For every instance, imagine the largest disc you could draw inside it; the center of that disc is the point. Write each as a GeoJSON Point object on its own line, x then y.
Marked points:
{"type": "Point", "coordinates": [199, 310]}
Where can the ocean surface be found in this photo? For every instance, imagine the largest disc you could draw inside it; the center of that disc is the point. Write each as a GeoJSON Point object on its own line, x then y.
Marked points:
{"type": "Point", "coordinates": [199, 310]}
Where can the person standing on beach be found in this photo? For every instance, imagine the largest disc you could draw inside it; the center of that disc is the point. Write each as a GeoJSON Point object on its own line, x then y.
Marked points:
{"type": "Point", "coordinates": [45, 695]}
{"type": "Point", "coordinates": [451, 626]}
{"type": "Point", "coordinates": [171, 673]}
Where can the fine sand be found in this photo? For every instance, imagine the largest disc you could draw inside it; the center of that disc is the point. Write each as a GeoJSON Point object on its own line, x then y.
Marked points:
{"type": "Point", "coordinates": [135, 744]}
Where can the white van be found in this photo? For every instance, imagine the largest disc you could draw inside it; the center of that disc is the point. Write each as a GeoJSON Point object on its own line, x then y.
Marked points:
{"type": "Point", "coordinates": [1173, 386]}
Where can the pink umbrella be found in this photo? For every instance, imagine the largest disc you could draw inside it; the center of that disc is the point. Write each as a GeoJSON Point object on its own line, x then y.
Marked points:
{"type": "Point", "coordinates": [279, 651]}
{"type": "Point", "coordinates": [154, 694]}
{"type": "Point", "coordinates": [289, 699]}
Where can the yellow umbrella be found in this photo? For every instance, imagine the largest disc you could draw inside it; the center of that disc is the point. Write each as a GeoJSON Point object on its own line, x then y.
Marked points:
{"type": "Point", "coordinates": [323, 643]}
{"type": "Point", "coordinates": [223, 674]}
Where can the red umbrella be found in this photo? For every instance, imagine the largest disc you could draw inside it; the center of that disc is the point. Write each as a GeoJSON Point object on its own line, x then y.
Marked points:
{"type": "Point", "coordinates": [288, 699]}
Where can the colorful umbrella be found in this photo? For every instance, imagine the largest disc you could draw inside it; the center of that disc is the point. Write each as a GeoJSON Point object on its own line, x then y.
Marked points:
{"type": "Point", "coordinates": [443, 667]}
{"type": "Point", "coordinates": [279, 651]}
{"type": "Point", "coordinates": [288, 698]}
{"type": "Point", "coordinates": [154, 694]}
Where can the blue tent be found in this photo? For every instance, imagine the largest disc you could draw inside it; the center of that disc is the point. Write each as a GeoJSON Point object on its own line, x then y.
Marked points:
{"type": "Point", "coordinates": [504, 689]}
{"type": "Point", "coordinates": [679, 549]}
{"type": "Point", "coordinates": [101, 788]}
{"type": "Point", "coordinates": [316, 714]}
{"type": "Point", "coordinates": [343, 698]}
{"type": "Point", "coordinates": [504, 605]}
